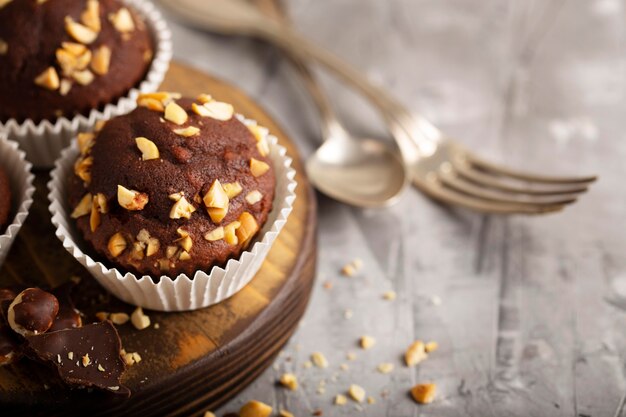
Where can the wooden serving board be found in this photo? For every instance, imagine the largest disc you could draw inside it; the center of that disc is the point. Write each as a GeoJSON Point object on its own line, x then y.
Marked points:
{"type": "Point", "coordinates": [193, 361]}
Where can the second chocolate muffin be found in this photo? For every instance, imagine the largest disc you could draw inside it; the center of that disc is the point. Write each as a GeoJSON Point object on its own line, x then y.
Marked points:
{"type": "Point", "coordinates": [176, 186]}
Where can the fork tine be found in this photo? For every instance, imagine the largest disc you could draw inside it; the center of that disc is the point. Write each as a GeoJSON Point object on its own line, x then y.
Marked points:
{"type": "Point", "coordinates": [435, 189]}
{"type": "Point", "coordinates": [525, 176]}
{"type": "Point", "coordinates": [490, 181]}
{"type": "Point", "coordinates": [452, 181]}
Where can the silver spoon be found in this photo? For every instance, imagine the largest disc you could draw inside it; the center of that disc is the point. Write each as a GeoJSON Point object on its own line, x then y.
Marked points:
{"type": "Point", "coordinates": [355, 171]}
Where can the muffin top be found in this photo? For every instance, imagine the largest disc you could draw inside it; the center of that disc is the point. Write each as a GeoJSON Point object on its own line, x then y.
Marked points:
{"type": "Point", "coordinates": [177, 185]}
{"type": "Point", "coordinates": [5, 200]}
{"type": "Point", "coordinates": [65, 57]}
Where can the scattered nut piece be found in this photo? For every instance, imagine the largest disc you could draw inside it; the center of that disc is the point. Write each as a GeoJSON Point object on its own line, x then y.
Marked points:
{"type": "Point", "coordinates": [247, 229]}
{"type": "Point", "coordinates": [119, 318]}
{"type": "Point", "coordinates": [344, 367]}
{"type": "Point", "coordinates": [84, 77]}
{"type": "Point", "coordinates": [215, 234]}
{"type": "Point", "coordinates": [431, 346]}
{"type": "Point", "coordinates": [49, 79]}
{"type": "Point", "coordinates": [187, 132]}
{"type": "Point", "coordinates": [259, 132]}
{"type": "Point", "coordinates": [230, 233]}
{"type": "Point", "coordinates": [139, 319]}
{"type": "Point", "coordinates": [4, 3]}
{"type": "Point", "coordinates": [100, 368]}
{"type": "Point", "coordinates": [131, 358]}
{"type": "Point", "coordinates": [82, 168]}
{"type": "Point", "coordinates": [289, 381]}
{"type": "Point", "coordinates": [218, 110]}
{"type": "Point", "coordinates": [352, 268]}
{"type": "Point", "coordinates": [101, 60]}
{"type": "Point", "coordinates": [74, 48]}
{"type": "Point", "coordinates": [357, 393]}
{"type": "Point", "coordinates": [367, 342]}
{"type": "Point", "coordinates": [285, 413]}
{"type": "Point", "coordinates": [385, 368]}
{"type": "Point", "coordinates": [86, 360]}
{"type": "Point", "coordinates": [255, 409]}
{"type": "Point", "coordinates": [150, 103]}
{"type": "Point", "coordinates": [209, 414]}
{"type": "Point", "coordinates": [98, 205]}
{"type": "Point", "coordinates": [205, 98]}
{"type": "Point", "coordinates": [148, 148]}
{"type": "Point", "coordinates": [85, 142]}
{"type": "Point", "coordinates": [101, 316]}
{"type": "Point", "coordinates": [200, 110]}
{"type": "Point", "coordinates": [91, 16]}
{"type": "Point", "coordinates": [99, 125]}
{"type": "Point", "coordinates": [258, 168]}
{"type": "Point", "coordinates": [175, 114]}
{"type": "Point", "coordinates": [83, 208]}
{"type": "Point", "coordinates": [117, 244]}
{"type": "Point", "coordinates": [79, 32]}
{"type": "Point", "coordinates": [351, 356]}
{"type": "Point", "coordinates": [122, 20]}
{"type": "Point", "coordinates": [32, 312]}
{"type": "Point", "coordinates": [319, 360]}
{"type": "Point", "coordinates": [216, 196]}
{"type": "Point", "coordinates": [254, 197]}
{"type": "Point", "coordinates": [424, 393]}
{"type": "Point", "coordinates": [182, 209]}
{"type": "Point", "coordinates": [416, 353]}
{"type": "Point", "coordinates": [341, 399]}
{"type": "Point", "coordinates": [389, 295]}
{"type": "Point", "coordinates": [307, 364]}
{"type": "Point", "coordinates": [232, 189]}
{"type": "Point", "coordinates": [65, 87]}
{"type": "Point", "coordinates": [70, 355]}
{"type": "Point", "coordinates": [131, 199]}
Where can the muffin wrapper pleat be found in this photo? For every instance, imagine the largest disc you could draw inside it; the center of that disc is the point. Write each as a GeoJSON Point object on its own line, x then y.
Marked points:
{"type": "Point", "coordinates": [182, 292]}
{"type": "Point", "coordinates": [13, 162]}
{"type": "Point", "coordinates": [43, 141]}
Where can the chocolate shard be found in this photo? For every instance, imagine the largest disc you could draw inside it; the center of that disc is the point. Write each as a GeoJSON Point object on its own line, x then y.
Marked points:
{"type": "Point", "coordinates": [68, 316]}
{"type": "Point", "coordinates": [87, 356]}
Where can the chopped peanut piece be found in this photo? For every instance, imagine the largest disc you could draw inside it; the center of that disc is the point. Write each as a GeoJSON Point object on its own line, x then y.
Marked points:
{"type": "Point", "coordinates": [65, 87]}
{"type": "Point", "coordinates": [101, 316]}
{"type": "Point", "coordinates": [122, 20]}
{"type": "Point", "coordinates": [119, 318]}
{"type": "Point", "coordinates": [215, 234]}
{"type": "Point", "coordinates": [371, 400]}
{"type": "Point", "coordinates": [230, 235]}
{"type": "Point", "coordinates": [341, 399]}
{"type": "Point", "coordinates": [200, 110]}
{"type": "Point", "coordinates": [258, 168]}
{"type": "Point", "coordinates": [49, 79]}
{"type": "Point", "coordinates": [84, 77]}
{"type": "Point", "coordinates": [182, 209]}
{"type": "Point", "coordinates": [357, 393]}
{"type": "Point", "coordinates": [67, 61]}
{"type": "Point", "coordinates": [150, 103]}
{"type": "Point", "coordinates": [232, 189]}
{"type": "Point", "coordinates": [79, 32]}
{"type": "Point", "coordinates": [319, 360]}
{"type": "Point", "coordinates": [290, 381]}
{"type": "Point", "coordinates": [82, 169]}
{"type": "Point", "coordinates": [385, 368]}
{"type": "Point", "coordinates": [259, 132]}
{"type": "Point", "coordinates": [216, 196]}
{"type": "Point", "coordinates": [416, 353]}
{"type": "Point", "coordinates": [389, 295]}
{"type": "Point", "coordinates": [74, 48]}
{"type": "Point", "coordinates": [187, 132]}
{"type": "Point", "coordinates": [367, 342]}
{"type": "Point", "coordinates": [247, 229]}
{"type": "Point", "coordinates": [254, 197]}
{"type": "Point", "coordinates": [131, 199]}
{"type": "Point", "coordinates": [98, 205]}
{"type": "Point", "coordinates": [117, 245]}
{"type": "Point", "coordinates": [91, 16]}
{"type": "Point", "coordinates": [175, 114]}
{"type": "Point", "coordinates": [83, 208]}
{"type": "Point", "coordinates": [218, 110]}
{"type": "Point", "coordinates": [85, 142]}
{"type": "Point", "coordinates": [86, 360]}
{"type": "Point", "coordinates": [184, 256]}
{"type": "Point", "coordinates": [205, 98]}
{"type": "Point", "coordinates": [255, 409]}
{"type": "Point", "coordinates": [424, 393]}
{"type": "Point", "coordinates": [285, 413]}
{"type": "Point", "coordinates": [139, 319]}
{"type": "Point", "coordinates": [148, 149]}
{"type": "Point", "coordinates": [101, 60]}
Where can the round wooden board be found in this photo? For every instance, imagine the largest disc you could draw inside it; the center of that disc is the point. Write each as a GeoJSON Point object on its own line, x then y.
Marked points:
{"type": "Point", "coordinates": [194, 361]}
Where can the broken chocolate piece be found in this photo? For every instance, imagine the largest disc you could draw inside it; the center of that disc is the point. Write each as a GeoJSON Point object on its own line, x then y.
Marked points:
{"type": "Point", "coordinates": [95, 352]}
{"type": "Point", "coordinates": [32, 312]}
{"type": "Point", "coordinates": [68, 316]}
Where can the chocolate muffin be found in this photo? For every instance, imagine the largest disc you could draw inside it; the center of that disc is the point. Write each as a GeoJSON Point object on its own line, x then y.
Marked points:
{"type": "Point", "coordinates": [5, 200]}
{"type": "Point", "coordinates": [66, 57]}
{"type": "Point", "coordinates": [177, 185]}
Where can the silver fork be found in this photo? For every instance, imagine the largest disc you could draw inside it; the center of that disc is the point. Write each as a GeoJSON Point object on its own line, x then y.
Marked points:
{"type": "Point", "coordinates": [440, 167]}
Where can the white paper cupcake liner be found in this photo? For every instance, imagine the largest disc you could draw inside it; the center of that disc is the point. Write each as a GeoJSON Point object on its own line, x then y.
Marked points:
{"type": "Point", "coordinates": [43, 141]}
{"type": "Point", "coordinates": [182, 292]}
{"type": "Point", "coordinates": [13, 162]}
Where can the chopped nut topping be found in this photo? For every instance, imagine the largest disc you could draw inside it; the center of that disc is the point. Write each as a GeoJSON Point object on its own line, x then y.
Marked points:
{"type": "Point", "coordinates": [119, 318]}
{"type": "Point", "coordinates": [258, 168]}
{"type": "Point", "coordinates": [200, 110]}
{"type": "Point", "coordinates": [100, 201]}
{"type": "Point", "coordinates": [86, 360]}
{"type": "Point", "coordinates": [4, 47]}
{"type": "Point", "coordinates": [187, 132]}
{"type": "Point", "coordinates": [367, 342]}
{"type": "Point", "coordinates": [424, 393]}
{"type": "Point", "coordinates": [319, 360]}
{"type": "Point", "coordinates": [182, 209]}
{"type": "Point", "coordinates": [117, 244]}
{"type": "Point", "coordinates": [122, 20]}
{"type": "Point", "coordinates": [215, 234]}
{"type": "Point", "coordinates": [101, 316]}
{"type": "Point", "coordinates": [67, 61]}
{"type": "Point", "coordinates": [70, 355]}
{"type": "Point", "coordinates": [263, 147]}
{"type": "Point", "coordinates": [91, 16]}
{"type": "Point", "coordinates": [83, 208]}
{"type": "Point", "coordinates": [217, 110]}
{"type": "Point", "coordinates": [341, 399]}
{"type": "Point", "coordinates": [150, 103]}
{"type": "Point", "coordinates": [232, 189]}
{"type": "Point", "coordinates": [82, 61]}
{"type": "Point", "coordinates": [416, 353]}
{"type": "Point", "coordinates": [184, 255]}
{"type": "Point", "coordinates": [170, 251]}
{"type": "Point", "coordinates": [139, 319]}
{"type": "Point", "coordinates": [82, 169]}
{"type": "Point", "coordinates": [351, 356]}
{"type": "Point", "coordinates": [285, 413]}
{"type": "Point", "coordinates": [247, 229]}
{"type": "Point", "coordinates": [357, 393]}
{"type": "Point", "coordinates": [101, 60]}
{"type": "Point", "coordinates": [131, 199]}
{"type": "Point", "coordinates": [216, 196]}
{"type": "Point", "coordinates": [73, 48]}
{"type": "Point", "coordinates": [148, 149]}
{"type": "Point", "coordinates": [385, 367]}
{"type": "Point", "coordinates": [79, 32]}
{"type": "Point", "coordinates": [259, 132]}
{"type": "Point", "coordinates": [100, 368]}
{"type": "Point", "coordinates": [99, 205]}
{"type": "Point", "coordinates": [99, 125]}
{"type": "Point", "coordinates": [152, 247]}
{"type": "Point", "coordinates": [175, 114]}
{"type": "Point", "coordinates": [431, 346]}
{"type": "Point", "coordinates": [205, 98]}
{"type": "Point", "coordinates": [4, 3]}
{"type": "Point", "coordinates": [230, 235]}
{"type": "Point", "coordinates": [254, 197]}
{"type": "Point", "coordinates": [131, 358]}
{"type": "Point", "coordinates": [289, 381]}
{"type": "Point", "coordinates": [186, 243]}
{"type": "Point", "coordinates": [84, 77]}
{"type": "Point", "coordinates": [371, 400]}
{"type": "Point", "coordinates": [49, 79]}
{"type": "Point", "coordinates": [389, 295]}
{"type": "Point", "coordinates": [85, 142]}
{"type": "Point", "coordinates": [255, 409]}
